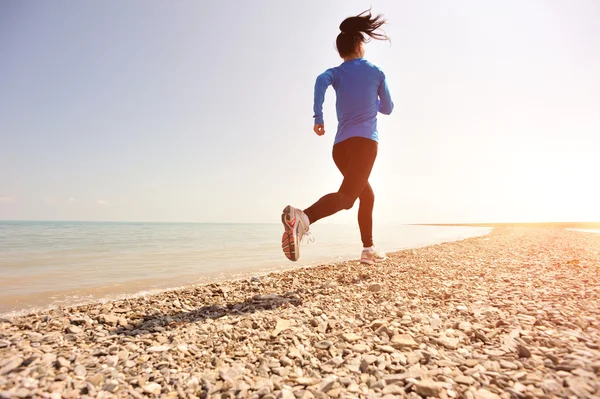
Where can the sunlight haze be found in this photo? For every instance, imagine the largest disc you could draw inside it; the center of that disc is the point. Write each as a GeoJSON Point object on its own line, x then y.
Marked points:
{"type": "Point", "coordinates": [202, 111]}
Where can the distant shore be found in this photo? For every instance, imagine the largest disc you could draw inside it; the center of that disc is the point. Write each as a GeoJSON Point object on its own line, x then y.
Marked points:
{"type": "Point", "coordinates": [514, 314]}
{"type": "Point", "coordinates": [560, 225]}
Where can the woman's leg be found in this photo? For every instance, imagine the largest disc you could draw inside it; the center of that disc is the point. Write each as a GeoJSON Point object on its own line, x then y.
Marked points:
{"type": "Point", "coordinates": [366, 201]}
{"type": "Point", "coordinates": [365, 215]}
{"type": "Point", "coordinates": [355, 157]}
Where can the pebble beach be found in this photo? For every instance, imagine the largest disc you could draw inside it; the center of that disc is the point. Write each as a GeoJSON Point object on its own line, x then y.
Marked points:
{"type": "Point", "coordinates": [514, 314]}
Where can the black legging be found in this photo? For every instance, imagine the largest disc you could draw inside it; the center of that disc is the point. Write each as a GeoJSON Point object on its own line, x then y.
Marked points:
{"type": "Point", "coordinates": [354, 157]}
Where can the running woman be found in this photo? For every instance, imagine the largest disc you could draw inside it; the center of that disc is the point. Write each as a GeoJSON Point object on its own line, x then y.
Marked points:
{"type": "Point", "coordinates": [361, 92]}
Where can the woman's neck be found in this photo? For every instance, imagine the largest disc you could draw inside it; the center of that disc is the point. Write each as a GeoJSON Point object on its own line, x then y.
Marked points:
{"type": "Point", "coordinates": [352, 57]}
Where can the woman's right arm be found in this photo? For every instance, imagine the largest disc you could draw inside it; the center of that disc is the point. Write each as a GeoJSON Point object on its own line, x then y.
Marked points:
{"type": "Point", "coordinates": [385, 104]}
{"type": "Point", "coordinates": [323, 81]}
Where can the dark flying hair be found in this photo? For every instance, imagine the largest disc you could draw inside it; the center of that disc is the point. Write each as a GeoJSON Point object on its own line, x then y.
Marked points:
{"type": "Point", "coordinates": [354, 30]}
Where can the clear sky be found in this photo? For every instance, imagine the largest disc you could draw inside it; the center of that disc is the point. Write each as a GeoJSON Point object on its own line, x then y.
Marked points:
{"type": "Point", "coordinates": [201, 111]}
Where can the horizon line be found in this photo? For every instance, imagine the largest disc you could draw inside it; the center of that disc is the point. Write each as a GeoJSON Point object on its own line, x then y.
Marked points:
{"type": "Point", "coordinates": [571, 224]}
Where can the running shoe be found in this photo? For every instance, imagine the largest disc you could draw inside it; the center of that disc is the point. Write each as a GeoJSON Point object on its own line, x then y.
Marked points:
{"type": "Point", "coordinates": [371, 256]}
{"type": "Point", "coordinates": [295, 225]}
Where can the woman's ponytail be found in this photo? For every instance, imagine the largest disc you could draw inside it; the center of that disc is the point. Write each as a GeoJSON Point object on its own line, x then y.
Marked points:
{"type": "Point", "coordinates": [354, 29]}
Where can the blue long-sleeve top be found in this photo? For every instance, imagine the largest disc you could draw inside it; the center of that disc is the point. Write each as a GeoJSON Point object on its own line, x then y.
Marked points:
{"type": "Point", "coordinates": [361, 91]}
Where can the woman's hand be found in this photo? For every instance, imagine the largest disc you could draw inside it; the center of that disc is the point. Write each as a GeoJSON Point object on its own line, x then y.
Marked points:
{"type": "Point", "coordinates": [319, 129]}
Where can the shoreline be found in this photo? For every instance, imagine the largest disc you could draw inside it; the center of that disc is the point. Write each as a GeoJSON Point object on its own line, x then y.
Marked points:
{"type": "Point", "coordinates": [515, 313]}
{"type": "Point", "coordinates": [547, 225]}
{"type": "Point", "coordinates": [107, 293]}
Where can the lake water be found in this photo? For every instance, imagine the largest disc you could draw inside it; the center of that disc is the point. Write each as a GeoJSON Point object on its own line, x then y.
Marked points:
{"type": "Point", "coordinates": [48, 264]}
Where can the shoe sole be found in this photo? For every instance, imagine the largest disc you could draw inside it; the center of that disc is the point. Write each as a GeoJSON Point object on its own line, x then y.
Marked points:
{"type": "Point", "coordinates": [288, 240]}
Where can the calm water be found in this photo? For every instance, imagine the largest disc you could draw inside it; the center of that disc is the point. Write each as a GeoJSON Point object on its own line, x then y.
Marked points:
{"type": "Point", "coordinates": [46, 264]}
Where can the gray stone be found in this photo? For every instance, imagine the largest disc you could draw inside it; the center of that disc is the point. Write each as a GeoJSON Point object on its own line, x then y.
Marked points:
{"type": "Point", "coordinates": [323, 344]}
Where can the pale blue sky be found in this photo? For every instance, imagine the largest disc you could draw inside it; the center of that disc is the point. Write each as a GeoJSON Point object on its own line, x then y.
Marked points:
{"type": "Point", "coordinates": [202, 111]}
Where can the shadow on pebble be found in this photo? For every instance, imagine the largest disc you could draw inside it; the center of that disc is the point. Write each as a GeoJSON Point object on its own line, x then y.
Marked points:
{"type": "Point", "coordinates": [162, 322]}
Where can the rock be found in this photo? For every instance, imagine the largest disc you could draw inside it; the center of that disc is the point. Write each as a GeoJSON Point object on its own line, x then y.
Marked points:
{"type": "Point", "coordinates": [111, 386]}
{"type": "Point", "coordinates": [282, 325]}
{"type": "Point", "coordinates": [360, 348]}
{"type": "Point", "coordinates": [350, 337]}
{"type": "Point", "coordinates": [376, 287]}
{"type": "Point", "coordinates": [323, 344]}
{"type": "Point", "coordinates": [160, 348]}
{"type": "Point", "coordinates": [96, 379]}
{"type": "Point", "coordinates": [508, 365]}
{"type": "Point", "coordinates": [231, 373]}
{"type": "Point", "coordinates": [393, 390]}
{"type": "Point", "coordinates": [370, 359]}
{"type": "Point", "coordinates": [413, 373]}
{"type": "Point", "coordinates": [448, 342]}
{"type": "Point", "coordinates": [80, 371]}
{"type": "Point", "coordinates": [464, 380]}
{"type": "Point", "coordinates": [483, 393]}
{"type": "Point", "coordinates": [335, 392]}
{"type": "Point", "coordinates": [112, 361]}
{"type": "Point", "coordinates": [494, 352]}
{"type": "Point", "coordinates": [152, 388]}
{"type": "Point", "coordinates": [285, 394]}
{"type": "Point", "coordinates": [308, 381]}
{"type": "Point", "coordinates": [294, 353]}
{"type": "Point", "coordinates": [413, 358]}
{"type": "Point", "coordinates": [435, 323]}
{"type": "Point", "coordinates": [62, 362]}
{"type": "Point", "coordinates": [24, 393]}
{"type": "Point", "coordinates": [428, 388]}
{"type": "Point", "coordinates": [523, 351]}
{"type": "Point", "coordinates": [465, 326]}
{"type": "Point", "coordinates": [403, 341]}
{"type": "Point", "coordinates": [11, 365]}
{"type": "Point", "coordinates": [73, 329]}
{"type": "Point", "coordinates": [375, 324]}
{"type": "Point", "coordinates": [109, 319]}
{"type": "Point", "coordinates": [353, 387]}
{"type": "Point", "coordinates": [326, 385]}
{"type": "Point", "coordinates": [261, 383]}
{"type": "Point", "coordinates": [548, 385]}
